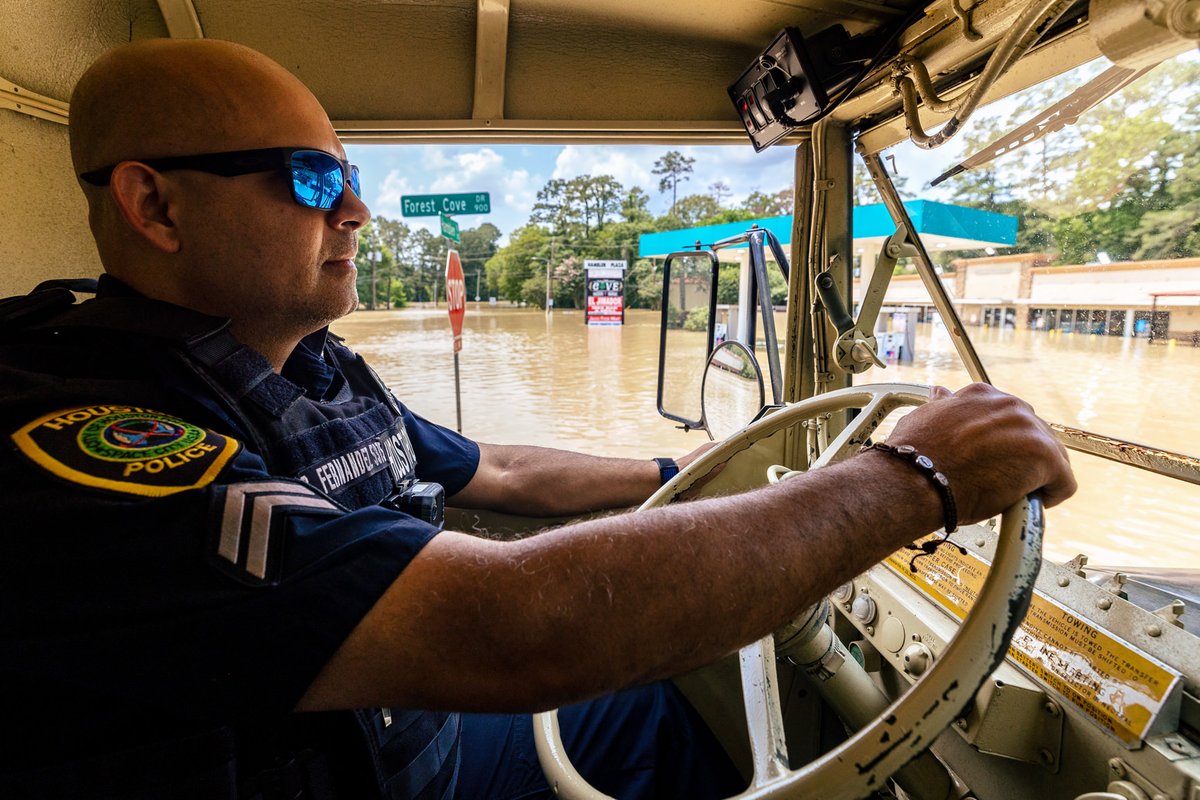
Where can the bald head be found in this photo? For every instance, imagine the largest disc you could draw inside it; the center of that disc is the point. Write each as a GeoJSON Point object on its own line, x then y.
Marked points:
{"type": "Point", "coordinates": [164, 97]}
{"type": "Point", "coordinates": [190, 237]}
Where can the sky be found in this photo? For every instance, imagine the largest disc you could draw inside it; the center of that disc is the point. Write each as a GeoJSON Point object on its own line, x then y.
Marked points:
{"type": "Point", "coordinates": [513, 174]}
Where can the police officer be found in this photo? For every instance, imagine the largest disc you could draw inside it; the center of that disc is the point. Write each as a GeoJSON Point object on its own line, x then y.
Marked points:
{"type": "Point", "coordinates": [212, 523]}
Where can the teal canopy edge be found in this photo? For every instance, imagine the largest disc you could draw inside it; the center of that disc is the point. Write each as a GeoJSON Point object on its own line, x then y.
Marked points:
{"type": "Point", "coordinates": [870, 221]}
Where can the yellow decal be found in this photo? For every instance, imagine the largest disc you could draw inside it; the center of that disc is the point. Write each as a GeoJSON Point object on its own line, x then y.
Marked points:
{"type": "Point", "coordinates": [126, 449]}
{"type": "Point", "coordinates": [1120, 687]}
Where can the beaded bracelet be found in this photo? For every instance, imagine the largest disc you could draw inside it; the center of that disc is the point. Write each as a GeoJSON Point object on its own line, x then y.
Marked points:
{"type": "Point", "coordinates": [908, 453]}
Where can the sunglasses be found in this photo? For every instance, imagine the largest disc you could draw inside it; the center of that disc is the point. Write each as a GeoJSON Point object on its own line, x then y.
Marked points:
{"type": "Point", "coordinates": [318, 178]}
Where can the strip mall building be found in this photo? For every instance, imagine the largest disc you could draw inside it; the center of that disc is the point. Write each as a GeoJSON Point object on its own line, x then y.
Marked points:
{"type": "Point", "coordinates": [1147, 299]}
{"type": "Point", "coordinates": [1134, 299]}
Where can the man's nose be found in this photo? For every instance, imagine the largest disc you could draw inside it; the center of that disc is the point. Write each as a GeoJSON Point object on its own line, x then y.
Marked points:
{"type": "Point", "coordinates": [352, 212]}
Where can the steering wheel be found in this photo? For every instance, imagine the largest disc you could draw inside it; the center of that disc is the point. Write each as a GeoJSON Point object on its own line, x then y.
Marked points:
{"type": "Point", "coordinates": [861, 764]}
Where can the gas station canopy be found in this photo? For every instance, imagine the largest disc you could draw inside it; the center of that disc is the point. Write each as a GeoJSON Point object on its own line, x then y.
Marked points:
{"type": "Point", "coordinates": [942, 226]}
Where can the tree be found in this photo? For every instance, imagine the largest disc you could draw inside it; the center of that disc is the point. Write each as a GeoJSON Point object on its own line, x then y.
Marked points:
{"type": "Point", "coordinates": [643, 285]}
{"type": "Point", "coordinates": [605, 194]}
{"type": "Point", "coordinates": [1114, 182]}
{"type": "Point", "coordinates": [673, 167]}
{"type": "Point", "coordinates": [429, 264]}
{"type": "Point", "coordinates": [553, 206]}
{"type": "Point", "coordinates": [719, 190]}
{"type": "Point", "coordinates": [865, 192]}
{"type": "Point", "coordinates": [513, 265]}
{"type": "Point", "coordinates": [376, 265]}
{"type": "Point", "coordinates": [778, 204]}
{"type": "Point", "coordinates": [696, 209]}
{"type": "Point", "coordinates": [397, 238]}
{"type": "Point", "coordinates": [478, 245]}
{"type": "Point", "coordinates": [575, 207]}
{"type": "Point", "coordinates": [634, 208]}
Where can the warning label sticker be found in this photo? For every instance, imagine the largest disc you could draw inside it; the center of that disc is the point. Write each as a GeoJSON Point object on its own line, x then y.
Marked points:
{"type": "Point", "coordinates": [1120, 687]}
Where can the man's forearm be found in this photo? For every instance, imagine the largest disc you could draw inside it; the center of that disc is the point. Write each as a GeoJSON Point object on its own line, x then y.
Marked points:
{"type": "Point", "coordinates": [587, 609]}
{"type": "Point", "coordinates": [473, 624]}
{"type": "Point", "coordinates": [543, 482]}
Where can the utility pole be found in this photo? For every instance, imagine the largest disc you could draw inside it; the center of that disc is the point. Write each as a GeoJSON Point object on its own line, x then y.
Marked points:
{"type": "Point", "coordinates": [373, 237]}
{"type": "Point", "coordinates": [549, 297]}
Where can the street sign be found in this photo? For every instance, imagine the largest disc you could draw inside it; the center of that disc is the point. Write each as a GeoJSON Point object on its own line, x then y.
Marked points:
{"type": "Point", "coordinates": [430, 205]}
{"type": "Point", "coordinates": [449, 228]}
{"type": "Point", "coordinates": [456, 296]}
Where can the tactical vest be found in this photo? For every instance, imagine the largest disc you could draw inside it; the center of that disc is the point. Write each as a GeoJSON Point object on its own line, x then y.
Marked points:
{"type": "Point", "coordinates": [353, 446]}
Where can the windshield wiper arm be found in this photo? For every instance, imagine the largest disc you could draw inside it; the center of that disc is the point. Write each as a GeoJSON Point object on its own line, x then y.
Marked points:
{"type": "Point", "coordinates": [1065, 112]}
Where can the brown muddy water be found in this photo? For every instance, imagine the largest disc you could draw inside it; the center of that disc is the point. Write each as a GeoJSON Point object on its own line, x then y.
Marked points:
{"type": "Point", "coordinates": [532, 378]}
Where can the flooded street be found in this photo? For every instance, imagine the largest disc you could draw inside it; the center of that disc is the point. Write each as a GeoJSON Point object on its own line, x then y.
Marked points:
{"type": "Point", "coordinates": [529, 378]}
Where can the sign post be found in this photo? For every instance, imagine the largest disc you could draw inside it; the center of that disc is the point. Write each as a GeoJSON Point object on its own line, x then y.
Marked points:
{"type": "Point", "coordinates": [456, 301]}
{"type": "Point", "coordinates": [605, 292]}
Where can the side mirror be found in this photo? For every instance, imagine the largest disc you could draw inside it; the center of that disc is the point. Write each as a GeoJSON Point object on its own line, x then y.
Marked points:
{"type": "Point", "coordinates": [689, 304]}
{"type": "Point", "coordinates": [732, 394]}
{"type": "Point", "coordinates": [690, 331]}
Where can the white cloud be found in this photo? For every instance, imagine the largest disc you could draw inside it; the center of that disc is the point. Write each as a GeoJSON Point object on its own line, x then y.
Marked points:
{"type": "Point", "coordinates": [630, 165]}
{"type": "Point", "coordinates": [387, 202]}
{"type": "Point", "coordinates": [520, 191]}
{"type": "Point", "coordinates": [466, 171]}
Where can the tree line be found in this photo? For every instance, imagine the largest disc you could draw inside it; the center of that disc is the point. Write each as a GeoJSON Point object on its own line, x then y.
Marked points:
{"type": "Point", "coordinates": [586, 217]}
{"type": "Point", "coordinates": [1122, 182]}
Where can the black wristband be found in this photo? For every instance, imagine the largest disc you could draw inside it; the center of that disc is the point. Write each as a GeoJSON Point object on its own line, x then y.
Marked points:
{"type": "Point", "coordinates": [667, 469]}
{"type": "Point", "coordinates": [940, 482]}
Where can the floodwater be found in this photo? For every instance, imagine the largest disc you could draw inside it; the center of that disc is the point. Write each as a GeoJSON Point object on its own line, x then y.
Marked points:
{"type": "Point", "coordinates": [532, 378]}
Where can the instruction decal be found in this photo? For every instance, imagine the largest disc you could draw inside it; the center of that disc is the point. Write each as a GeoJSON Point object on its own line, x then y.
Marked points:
{"type": "Point", "coordinates": [1119, 686]}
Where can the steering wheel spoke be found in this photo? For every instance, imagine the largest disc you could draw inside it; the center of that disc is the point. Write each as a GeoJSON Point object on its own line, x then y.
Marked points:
{"type": "Point", "coordinates": [764, 717]}
{"type": "Point", "coordinates": [855, 434]}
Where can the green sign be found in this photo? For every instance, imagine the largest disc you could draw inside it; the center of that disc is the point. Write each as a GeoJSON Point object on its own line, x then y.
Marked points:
{"type": "Point", "coordinates": [449, 228]}
{"type": "Point", "coordinates": [430, 205]}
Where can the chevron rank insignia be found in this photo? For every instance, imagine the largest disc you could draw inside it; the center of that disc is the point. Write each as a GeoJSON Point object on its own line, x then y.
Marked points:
{"type": "Point", "coordinates": [249, 523]}
{"type": "Point", "coordinates": [125, 449]}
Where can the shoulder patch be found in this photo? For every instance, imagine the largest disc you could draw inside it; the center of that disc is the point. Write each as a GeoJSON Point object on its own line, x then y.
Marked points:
{"type": "Point", "coordinates": [126, 449]}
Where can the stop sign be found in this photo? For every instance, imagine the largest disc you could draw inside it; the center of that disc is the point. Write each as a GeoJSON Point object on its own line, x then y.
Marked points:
{"type": "Point", "coordinates": [456, 296]}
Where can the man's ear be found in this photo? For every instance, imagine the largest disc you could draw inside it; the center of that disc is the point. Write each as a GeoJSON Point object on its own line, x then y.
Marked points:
{"type": "Point", "coordinates": [144, 198]}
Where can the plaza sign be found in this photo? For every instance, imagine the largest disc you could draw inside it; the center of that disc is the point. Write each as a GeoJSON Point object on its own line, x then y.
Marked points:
{"type": "Point", "coordinates": [605, 290]}
{"type": "Point", "coordinates": [431, 205]}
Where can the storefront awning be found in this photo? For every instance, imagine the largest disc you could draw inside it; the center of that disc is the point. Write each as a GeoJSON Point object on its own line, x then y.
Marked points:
{"type": "Point", "coordinates": [942, 226]}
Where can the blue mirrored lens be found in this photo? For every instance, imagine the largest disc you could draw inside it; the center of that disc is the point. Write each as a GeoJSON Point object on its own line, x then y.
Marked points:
{"type": "Point", "coordinates": [354, 183]}
{"type": "Point", "coordinates": [317, 179]}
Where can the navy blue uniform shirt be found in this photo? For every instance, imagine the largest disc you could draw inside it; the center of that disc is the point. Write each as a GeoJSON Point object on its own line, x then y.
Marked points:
{"type": "Point", "coordinates": [120, 623]}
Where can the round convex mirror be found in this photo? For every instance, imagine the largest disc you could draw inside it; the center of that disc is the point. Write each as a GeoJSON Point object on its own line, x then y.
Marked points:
{"type": "Point", "coordinates": [732, 393]}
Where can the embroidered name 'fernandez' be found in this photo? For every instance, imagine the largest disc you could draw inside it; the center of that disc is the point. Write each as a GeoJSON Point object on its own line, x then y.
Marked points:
{"type": "Point", "coordinates": [390, 450]}
{"type": "Point", "coordinates": [125, 449]}
{"type": "Point", "coordinates": [349, 467]}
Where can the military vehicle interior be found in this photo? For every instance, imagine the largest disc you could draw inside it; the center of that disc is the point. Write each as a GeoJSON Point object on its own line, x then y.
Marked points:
{"type": "Point", "coordinates": [975, 671]}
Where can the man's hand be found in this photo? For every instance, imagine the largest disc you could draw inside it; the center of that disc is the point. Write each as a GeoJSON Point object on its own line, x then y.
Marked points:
{"type": "Point", "coordinates": [992, 448]}
{"type": "Point", "coordinates": [694, 489]}
{"type": "Point", "coordinates": [683, 461]}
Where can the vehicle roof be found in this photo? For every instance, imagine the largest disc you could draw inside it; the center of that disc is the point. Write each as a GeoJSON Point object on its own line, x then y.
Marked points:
{"type": "Point", "coordinates": [520, 70]}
